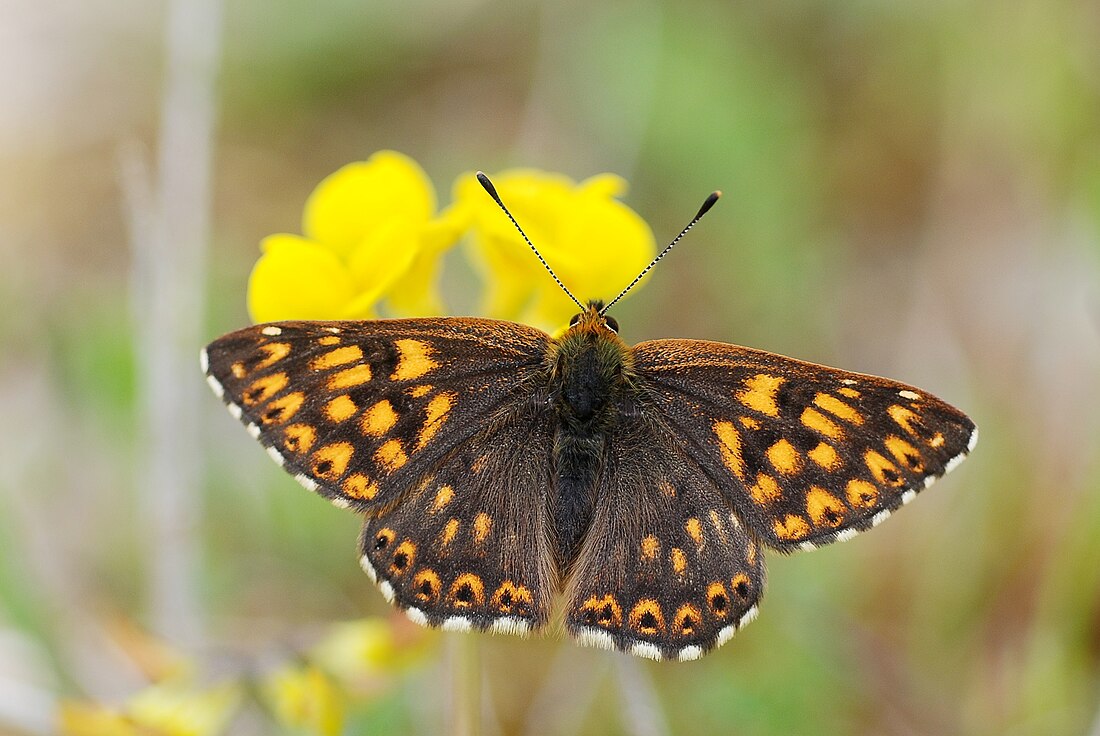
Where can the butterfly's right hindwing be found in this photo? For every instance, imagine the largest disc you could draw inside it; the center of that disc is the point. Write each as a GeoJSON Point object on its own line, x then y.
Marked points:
{"type": "Point", "coordinates": [358, 411]}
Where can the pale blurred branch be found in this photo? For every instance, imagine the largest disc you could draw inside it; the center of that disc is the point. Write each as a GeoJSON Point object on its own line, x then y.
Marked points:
{"type": "Point", "coordinates": [169, 217]}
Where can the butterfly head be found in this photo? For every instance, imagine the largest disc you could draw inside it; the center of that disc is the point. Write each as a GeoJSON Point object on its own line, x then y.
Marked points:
{"type": "Point", "coordinates": [592, 318]}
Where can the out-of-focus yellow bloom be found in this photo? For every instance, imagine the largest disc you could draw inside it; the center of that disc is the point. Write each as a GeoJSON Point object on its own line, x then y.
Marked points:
{"type": "Point", "coordinates": [172, 708]}
{"type": "Point", "coordinates": [369, 231]}
{"type": "Point", "coordinates": [304, 697]}
{"type": "Point", "coordinates": [365, 655]}
{"type": "Point", "coordinates": [595, 243]}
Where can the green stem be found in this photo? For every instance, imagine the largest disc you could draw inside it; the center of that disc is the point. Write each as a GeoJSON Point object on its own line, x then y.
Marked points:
{"type": "Point", "coordinates": [464, 655]}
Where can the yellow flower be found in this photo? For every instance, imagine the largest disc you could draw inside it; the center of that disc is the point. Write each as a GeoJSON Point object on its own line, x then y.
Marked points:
{"type": "Point", "coordinates": [305, 697]}
{"type": "Point", "coordinates": [365, 655]}
{"type": "Point", "coordinates": [171, 708]}
{"type": "Point", "coordinates": [595, 243]}
{"type": "Point", "coordinates": [369, 230]}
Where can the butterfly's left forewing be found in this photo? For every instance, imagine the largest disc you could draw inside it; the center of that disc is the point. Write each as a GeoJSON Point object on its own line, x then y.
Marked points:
{"type": "Point", "coordinates": [805, 454]}
{"type": "Point", "coordinates": [359, 411]}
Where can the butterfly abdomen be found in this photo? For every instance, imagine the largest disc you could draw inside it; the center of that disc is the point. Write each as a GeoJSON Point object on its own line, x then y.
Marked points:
{"type": "Point", "coordinates": [589, 374]}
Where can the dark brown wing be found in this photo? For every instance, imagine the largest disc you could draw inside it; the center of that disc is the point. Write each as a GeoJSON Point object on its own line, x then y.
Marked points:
{"type": "Point", "coordinates": [360, 411]}
{"type": "Point", "coordinates": [666, 571]}
{"type": "Point", "coordinates": [806, 454]}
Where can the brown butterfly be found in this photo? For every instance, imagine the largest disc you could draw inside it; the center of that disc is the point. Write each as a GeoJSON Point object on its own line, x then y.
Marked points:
{"type": "Point", "coordinates": [497, 466]}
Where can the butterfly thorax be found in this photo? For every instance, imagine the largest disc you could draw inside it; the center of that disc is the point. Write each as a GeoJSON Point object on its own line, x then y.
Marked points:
{"type": "Point", "coordinates": [591, 374]}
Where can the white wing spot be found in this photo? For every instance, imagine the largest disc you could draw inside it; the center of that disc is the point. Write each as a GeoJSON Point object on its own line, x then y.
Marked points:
{"type": "Point", "coordinates": [908, 496]}
{"type": "Point", "coordinates": [215, 386]}
{"type": "Point", "coordinates": [689, 653]}
{"type": "Point", "coordinates": [311, 485]}
{"type": "Point", "coordinates": [204, 360]}
{"type": "Point", "coordinates": [340, 503]}
{"type": "Point", "coordinates": [368, 568]}
{"type": "Point", "coordinates": [234, 410]}
{"type": "Point", "coordinates": [748, 618]}
{"type": "Point", "coordinates": [880, 517]}
{"type": "Point", "coordinates": [591, 637]}
{"type": "Point", "coordinates": [333, 330]}
{"type": "Point", "coordinates": [807, 546]}
{"type": "Point", "coordinates": [907, 394]}
{"type": "Point", "coordinates": [275, 455]}
{"type": "Point", "coordinates": [416, 616]}
{"type": "Point", "coordinates": [253, 430]}
{"type": "Point", "coordinates": [272, 331]}
{"type": "Point", "coordinates": [845, 535]}
{"type": "Point", "coordinates": [456, 623]}
{"type": "Point", "coordinates": [725, 635]}
{"type": "Point", "coordinates": [387, 590]}
{"type": "Point", "coordinates": [973, 442]}
{"type": "Point", "coordinates": [954, 463]}
{"type": "Point", "coordinates": [645, 649]}
{"type": "Point", "coordinates": [848, 381]}
{"type": "Point", "coordinates": [511, 625]}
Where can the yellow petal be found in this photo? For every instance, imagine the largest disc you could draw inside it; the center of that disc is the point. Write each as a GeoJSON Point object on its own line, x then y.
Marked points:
{"type": "Point", "coordinates": [176, 708]}
{"type": "Point", "coordinates": [351, 204]}
{"type": "Point", "coordinates": [298, 279]}
{"type": "Point", "coordinates": [305, 697]}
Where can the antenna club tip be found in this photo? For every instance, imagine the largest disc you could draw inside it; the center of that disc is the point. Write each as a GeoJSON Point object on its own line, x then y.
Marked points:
{"type": "Point", "coordinates": [711, 199]}
{"type": "Point", "coordinates": [488, 186]}
{"type": "Point", "coordinates": [717, 194]}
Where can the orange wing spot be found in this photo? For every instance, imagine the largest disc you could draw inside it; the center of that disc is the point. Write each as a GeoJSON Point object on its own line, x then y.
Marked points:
{"type": "Point", "coordinates": [904, 417]}
{"type": "Point", "coordinates": [729, 442]}
{"type": "Point", "coordinates": [784, 457]}
{"type": "Point", "coordinates": [718, 600]}
{"type": "Point", "coordinates": [339, 356]}
{"type": "Point", "coordinates": [818, 422]}
{"type": "Point", "coordinates": [341, 408]}
{"type": "Point", "coordinates": [512, 598]}
{"type": "Point", "coordinates": [678, 559]}
{"type": "Point", "coordinates": [765, 490]}
{"type": "Point", "coordinates": [694, 530]}
{"type": "Point", "coordinates": [276, 351]}
{"type": "Point", "coordinates": [238, 370]}
{"type": "Point", "coordinates": [331, 461]}
{"type": "Point", "coordinates": [848, 391]}
{"type": "Point", "coordinates": [403, 558]}
{"type": "Point", "coordinates": [759, 394]}
{"type": "Point", "coordinates": [825, 456]}
{"type": "Point", "coordinates": [792, 528]}
{"type": "Point", "coordinates": [357, 375]}
{"type": "Point", "coordinates": [603, 611]}
{"type": "Point", "coordinates": [391, 456]}
{"type": "Point", "coordinates": [358, 485]}
{"type": "Point", "coordinates": [861, 494]}
{"type": "Point", "coordinates": [479, 464]}
{"type": "Point", "coordinates": [417, 391]}
{"type": "Point", "coordinates": [824, 508]}
{"type": "Point", "coordinates": [384, 538]}
{"type": "Point", "coordinates": [749, 422]}
{"type": "Point", "coordinates": [467, 591]}
{"type": "Point", "coordinates": [436, 415]}
{"type": "Point", "coordinates": [282, 408]}
{"type": "Point", "coordinates": [838, 408]}
{"type": "Point", "coordinates": [687, 619]}
{"type": "Point", "coordinates": [426, 586]}
{"type": "Point", "coordinates": [646, 617]}
{"type": "Point", "coordinates": [443, 496]}
{"type": "Point", "coordinates": [904, 453]}
{"type": "Point", "coordinates": [937, 440]}
{"type": "Point", "coordinates": [413, 360]}
{"type": "Point", "coordinates": [299, 438]}
{"type": "Point", "coordinates": [750, 552]}
{"type": "Point", "coordinates": [449, 532]}
{"type": "Point", "coordinates": [379, 419]}
{"type": "Point", "coordinates": [483, 524]}
{"type": "Point", "coordinates": [650, 548]}
{"type": "Point", "coordinates": [716, 522]}
{"type": "Point", "coordinates": [741, 585]}
{"type": "Point", "coordinates": [264, 388]}
{"type": "Point", "coordinates": [328, 340]}
{"type": "Point", "coordinates": [666, 488]}
{"type": "Point", "coordinates": [883, 470]}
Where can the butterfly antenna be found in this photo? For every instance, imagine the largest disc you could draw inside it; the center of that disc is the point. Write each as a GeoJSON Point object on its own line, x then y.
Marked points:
{"type": "Point", "coordinates": [488, 185]}
{"type": "Point", "coordinates": [698, 216]}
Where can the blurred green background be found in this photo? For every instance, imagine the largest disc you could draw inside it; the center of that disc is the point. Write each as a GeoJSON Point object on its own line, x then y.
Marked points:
{"type": "Point", "coordinates": [912, 189]}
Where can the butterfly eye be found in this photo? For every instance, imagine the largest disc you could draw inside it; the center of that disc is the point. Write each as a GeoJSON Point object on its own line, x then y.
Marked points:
{"type": "Point", "coordinates": [575, 320]}
{"type": "Point", "coordinates": [612, 324]}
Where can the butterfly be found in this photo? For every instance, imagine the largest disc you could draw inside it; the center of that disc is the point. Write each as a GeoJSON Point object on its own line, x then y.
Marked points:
{"type": "Point", "coordinates": [499, 468]}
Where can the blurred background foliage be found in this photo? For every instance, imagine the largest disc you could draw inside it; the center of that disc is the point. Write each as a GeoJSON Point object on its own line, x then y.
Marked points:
{"type": "Point", "coordinates": [912, 189]}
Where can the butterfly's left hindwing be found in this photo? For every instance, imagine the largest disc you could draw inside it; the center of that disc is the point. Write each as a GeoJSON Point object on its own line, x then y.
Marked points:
{"type": "Point", "coordinates": [358, 411]}
{"type": "Point", "coordinates": [805, 454]}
